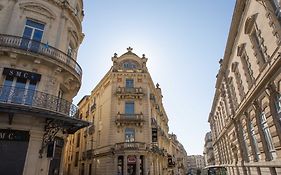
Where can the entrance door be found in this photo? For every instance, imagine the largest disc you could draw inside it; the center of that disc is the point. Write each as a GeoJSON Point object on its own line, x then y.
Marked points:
{"type": "Point", "coordinates": [13, 148]}
{"type": "Point", "coordinates": [131, 165]}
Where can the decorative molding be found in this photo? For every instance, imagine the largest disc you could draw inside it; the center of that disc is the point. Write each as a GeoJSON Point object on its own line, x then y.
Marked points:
{"type": "Point", "coordinates": [249, 24]}
{"type": "Point", "coordinates": [241, 49]}
{"type": "Point", "coordinates": [38, 8]}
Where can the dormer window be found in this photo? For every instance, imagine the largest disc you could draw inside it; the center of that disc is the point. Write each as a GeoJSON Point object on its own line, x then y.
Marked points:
{"type": "Point", "coordinates": [129, 65]}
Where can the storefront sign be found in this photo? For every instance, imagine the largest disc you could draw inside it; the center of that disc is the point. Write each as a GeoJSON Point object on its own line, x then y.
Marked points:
{"type": "Point", "coordinates": [131, 159]}
{"type": "Point", "coordinates": [13, 135]}
{"type": "Point", "coordinates": [21, 74]}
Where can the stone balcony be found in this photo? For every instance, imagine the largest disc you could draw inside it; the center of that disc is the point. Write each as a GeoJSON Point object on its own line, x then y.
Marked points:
{"type": "Point", "coordinates": [127, 119]}
{"type": "Point", "coordinates": [130, 146]}
{"type": "Point", "coordinates": [19, 45]}
{"type": "Point", "coordinates": [129, 93]}
{"type": "Point", "coordinates": [24, 101]}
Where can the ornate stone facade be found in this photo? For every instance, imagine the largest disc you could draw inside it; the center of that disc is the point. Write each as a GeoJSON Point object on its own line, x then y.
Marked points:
{"type": "Point", "coordinates": [129, 131]}
{"type": "Point", "coordinates": [208, 150]}
{"type": "Point", "coordinates": [245, 118]}
{"type": "Point", "coordinates": [39, 76]}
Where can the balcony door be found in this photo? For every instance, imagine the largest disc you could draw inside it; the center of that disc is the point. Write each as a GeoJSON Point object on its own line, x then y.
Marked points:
{"type": "Point", "coordinates": [18, 90]}
{"type": "Point", "coordinates": [32, 35]}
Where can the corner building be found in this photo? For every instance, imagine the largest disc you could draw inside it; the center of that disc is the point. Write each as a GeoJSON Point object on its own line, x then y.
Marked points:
{"type": "Point", "coordinates": [39, 76]}
{"type": "Point", "coordinates": [245, 118]}
{"type": "Point", "coordinates": [129, 131]}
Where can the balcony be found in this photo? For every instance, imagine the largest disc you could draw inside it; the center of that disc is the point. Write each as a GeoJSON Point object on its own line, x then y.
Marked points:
{"type": "Point", "coordinates": [129, 93]}
{"type": "Point", "coordinates": [35, 47]}
{"type": "Point", "coordinates": [127, 119]}
{"type": "Point", "coordinates": [130, 146]}
{"type": "Point", "coordinates": [20, 100]}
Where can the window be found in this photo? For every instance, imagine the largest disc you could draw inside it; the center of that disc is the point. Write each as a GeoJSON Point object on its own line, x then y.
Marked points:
{"type": "Point", "coordinates": [76, 159]}
{"type": "Point", "coordinates": [276, 4]}
{"type": "Point", "coordinates": [266, 133]}
{"type": "Point", "coordinates": [32, 35]}
{"type": "Point", "coordinates": [18, 90]}
{"type": "Point", "coordinates": [278, 105]}
{"type": "Point", "coordinates": [129, 83]}
{"type": "Point", "coordinates": [78, 140]}
{"type": "Point", "coordinates": [245, 144]}
{"type": "Point", "coordinates": [129, 107]}
{"type": "Point", "coordinates": [129, 65]}
{"type": "Point", "coordinates": [129, 135]}
{"type": "Point", "coordinates": [253, 135]}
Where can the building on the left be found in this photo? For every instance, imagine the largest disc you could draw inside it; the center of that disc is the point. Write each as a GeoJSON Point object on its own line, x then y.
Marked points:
{"type": "Point", "coordinates": [39, 76]}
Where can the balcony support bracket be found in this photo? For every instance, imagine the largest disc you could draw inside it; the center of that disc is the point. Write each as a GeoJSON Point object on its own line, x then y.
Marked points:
{"type": "Point", "coordinates": [52, 127]}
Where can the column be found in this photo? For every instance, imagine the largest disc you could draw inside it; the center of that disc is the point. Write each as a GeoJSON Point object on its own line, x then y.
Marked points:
{"type": "Point", "coordinates": [138, 164]}
{"type": "Point", "coordinates": [125, 164]}
{"type": "Point", "coordinates": [115, 164]}
{"type": "Point", "coordinates": [145, 165]}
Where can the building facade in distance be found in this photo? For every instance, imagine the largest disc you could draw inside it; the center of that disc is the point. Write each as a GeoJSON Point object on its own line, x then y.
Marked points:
{"type": "Point", "coordinates": [245, 118]}
{"type": "Point", "coordinates": [208, 150]}
{"type": "Point", "coordinates": [39, 76]}
{"type": "Point", "coordinates": [195, 164]}
{"type": "Point", "coordinates": [129, 131]}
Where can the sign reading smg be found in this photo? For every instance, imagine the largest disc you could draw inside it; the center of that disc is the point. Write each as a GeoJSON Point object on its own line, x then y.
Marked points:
{"type": "Point", "coordinates": [14, 135]}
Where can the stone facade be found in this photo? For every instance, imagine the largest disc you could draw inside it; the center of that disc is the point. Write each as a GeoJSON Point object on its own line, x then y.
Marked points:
{"type": "Point", "coordinates": [208, 150]}
{"type": "Point", "coordinates": [129, 131]}
{"type": "Point", "coordinates": [245, 118]}
{"type": "Point", "coordinates": [195, 164]}
{"type": "Point", "coordinates": [39, 76]}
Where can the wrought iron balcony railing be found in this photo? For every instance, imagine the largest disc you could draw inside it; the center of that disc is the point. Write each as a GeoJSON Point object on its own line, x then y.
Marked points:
{"type": "Point", "coordinates": [33, 46]}
{"type": "Point", "coordinates": [130, 146]}
{"type": "Point", "coordinates": [35, 99]}
{"type": "Point", "coordinates": [129, 119]}
{"type": "Point", "coordinates": [129, 92]}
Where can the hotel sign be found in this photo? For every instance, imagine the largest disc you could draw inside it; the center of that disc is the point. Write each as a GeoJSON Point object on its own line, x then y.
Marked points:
{"type": "Point", "coordinates": [21, 74]}
{"type": "Point", "coordinates": [14, 135]}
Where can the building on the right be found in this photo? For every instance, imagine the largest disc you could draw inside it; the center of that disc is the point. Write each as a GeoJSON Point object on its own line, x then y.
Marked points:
{"type": "Point", "coordinates": [245, 117]}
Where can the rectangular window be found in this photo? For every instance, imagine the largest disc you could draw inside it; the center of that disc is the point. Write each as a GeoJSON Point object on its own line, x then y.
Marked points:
{"type": "Point", "coordinates": [78, 140]}
{"type": "Point", "coordinates": [266, 133]}
{"type": "Point", "coordinates": [278, 105]}
{"type": "Point", "coordinates": [18, 90]}
{"type": "Point", "coordinates": [154, 135]}
{"type": "Point", "coordinates": [129, 135]}
{"type": "Point", "coordinates": [32, 34]}
{"type": "Point", "coordinates": [129, 108]}
{"type": "Point", "coordinates": [76, 159]}
{"type": "Point", "coordinates": [129, 83]}
{"type": "Point", "coordinates": [253, 135]}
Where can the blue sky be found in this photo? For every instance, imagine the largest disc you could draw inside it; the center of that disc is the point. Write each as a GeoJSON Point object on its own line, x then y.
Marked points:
{"type": "Point", "coordinates": [183, 41]}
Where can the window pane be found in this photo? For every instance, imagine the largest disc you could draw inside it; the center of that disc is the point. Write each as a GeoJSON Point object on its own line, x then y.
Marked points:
{"type": "Point", "coordinates": [129, 108]}
{"type": "Point", "coordinates": [35, 24]}
{"type": "Point", "coordinates": [129, 83]}
{"type": "Point", "coordinates": [27, 32]}
{"type": "Point", "coordinates": [37, 35]}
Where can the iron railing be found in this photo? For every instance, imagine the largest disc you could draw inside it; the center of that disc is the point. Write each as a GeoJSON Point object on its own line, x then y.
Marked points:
{"type": "Point", "coordinates": [130, 146]}
{"type": "Point", "coordinates": [39, 48]}
{"type": "Point", "coordinates": [36, 99]}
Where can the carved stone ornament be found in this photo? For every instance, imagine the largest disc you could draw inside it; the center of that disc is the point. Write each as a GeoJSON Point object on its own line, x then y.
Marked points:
{"type": "Point", "coordinates": [250, 23]}
{"type": "Point", "coordinates": [38, 8]}
{"type": "Point", "coordinates": [240, 49]}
